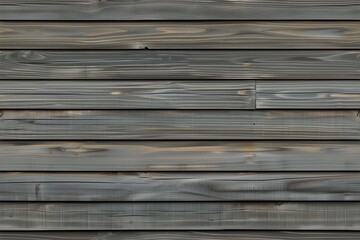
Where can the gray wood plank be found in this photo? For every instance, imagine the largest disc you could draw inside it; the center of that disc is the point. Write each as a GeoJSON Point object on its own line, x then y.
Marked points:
{"type": "Point", "coordinates": [180, 216]}
{"type": "Point", "coordinates": [180, 35]}
{"type": "Point", "coordinates": [195, 64]}
{"type": "Point", "coordinates": [179, 125]}
{"type": "Point", "coordinates": [127, 94]}
{"type": "Point", "coordinates": [179, 156]}
{"type": "Point", "coordinates": [178, 9]}
{"type": "Point", "coordinates": [308, 94]}
{"type": "Point", "coordinates": [192, 187]}
{"type": "Point", "coordinates": [182, 235]}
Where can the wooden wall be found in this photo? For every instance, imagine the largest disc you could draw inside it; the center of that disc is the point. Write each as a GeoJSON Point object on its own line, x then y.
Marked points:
{"type": "Point", "coordinates": [179, 120]}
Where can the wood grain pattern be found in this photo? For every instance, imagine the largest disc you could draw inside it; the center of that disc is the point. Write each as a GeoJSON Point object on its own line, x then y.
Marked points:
{"type": "Point", "coordinates": [179, 125]}
{"type": "Point", "coordinates": [178, 9]}
{"type": "Point", "coordinates": [180, 119]}
{"type": "Point", "coordinates": [182, 235]}
{"type": "Point", "coordinates": [179, 156]}
{"type": "Point", "coordinates": [178, 64]}
{"type": "Point", "coordinates": [308, 94]}
{"type": "Point", "coordinates": [180, 35]}
{"type": "Point", "coordinates": [193, 187]}
{"type": "Point", "coordinates": [127, 94]}
{"type": "Point", "coordinates": [180, 216]}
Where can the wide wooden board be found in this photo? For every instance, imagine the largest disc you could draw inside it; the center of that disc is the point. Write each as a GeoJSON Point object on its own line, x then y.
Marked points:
{"type": "Point", "coordinates": [179, 125]}
{"type": "Point", "coordinates": [180, 35]}
{"type": "Point", "coordinates": [177, 64]}
{"type": "Point", "coordinates": [179, 156]}
{"type": "Point", "coordinates": [102, 94]}
{"type": "Point", "coordinates": [180, 216]}
{"type": "Point", "coordinates": [172, 186]}
{"type": "Point", "coordinates": [308, 94]}
{"type": "Point", "coordinates": [178, 9]}
{"type": "Point", "coordinates": [181, 235]}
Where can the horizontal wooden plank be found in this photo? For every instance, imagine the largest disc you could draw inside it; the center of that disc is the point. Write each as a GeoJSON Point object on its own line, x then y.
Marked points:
{"type": "Point", "coordinates": [308, 94]}
{"type": "Point", "coordinates": [182, 235]}
{"type": "Point", "coordinates": [178, 9]}
{"type": "Point", "coordinates": [180, 216]}
{"type": "Point", "coordinates": [179, 125]}
{"type": "Point", "coordinates": [180, 35]}
{"type": "Point", "coordinates": [25, 94]}
{"type": "Point", "coordinates": [155, 186]}
{"type": "Point", "coordinates": [195, 64]}
{"type": "Point", "coordinates": [179, 156]}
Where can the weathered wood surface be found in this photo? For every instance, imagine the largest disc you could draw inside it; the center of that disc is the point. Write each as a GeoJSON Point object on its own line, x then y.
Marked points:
{"type": "Point", "coordinates": [180, 35]}
{"type": "Point", "coordinates": [133, 94]}
{"type": "Point", "coordinates": [178, 64]}
{"type": "Point", "coordinates": [179, 156]}
{"type": "Point", "coordinates": [182, 235]}
{"type": "Point", "coordinates": [180, 216]}
{"type": "Point", "coordinates": [179, 125]}
{"type": "Point", "coordinates": [193, 187]}
{"type": "Point", "coordinates": [308, 94]}
{"type": "Point", "coordinates": [178, 9]}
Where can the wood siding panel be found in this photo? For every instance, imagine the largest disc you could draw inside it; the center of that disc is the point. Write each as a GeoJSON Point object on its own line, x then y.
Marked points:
{"type": "Point", "coordinates": [180, 216]}
{"type": "Point", "coordinates": [182, 235]}
{"type": "Point", "coordinates": [155, 186]}
{"type": "Point", "coordinates": [308, 94]}
{"type": "Point", "coordinates": [179, 119]}
{"type": "Point", "coordinates": [180, 35]}
{"type": "Point", "coordinates": [179, 156]}
{"type": "Point", "coordinates": [127, 94]}
{"type": "Point", "coordinates": [178, 10]}
{"type": "Point", "coordinates": [181, 65]}
{"type": "Point", "coordinates": [179, 125]}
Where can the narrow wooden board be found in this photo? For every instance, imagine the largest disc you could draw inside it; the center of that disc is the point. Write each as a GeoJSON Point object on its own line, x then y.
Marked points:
{"type": "Point", "coordinates": [308, 94]}
{"type": "Point", "coordinates": [102, 94]}
{"type": "Point", "coordinates": [182, 235]}
{"type": "Point", "coordinates": [181, 216]}
{"type": "Point", "coordinates": [179, 125]}
{"type": "Point", "coordinates": [177, 64]}
{"type": "Point", "coordinates": [192, 187]}
{"type": "Point", "coordinates": [180, 35]}
{"type": "Point", "coordinates": [179, 156]}
{"type": "Point", "coordinates": [178, 9]}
